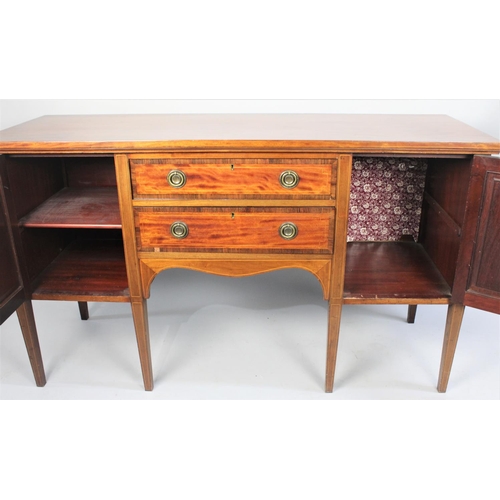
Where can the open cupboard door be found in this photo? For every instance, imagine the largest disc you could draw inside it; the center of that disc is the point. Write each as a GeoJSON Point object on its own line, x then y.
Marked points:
{"type": "Point", "coordinates": [13, 295]}
{"type": "Point", "coordinates": [477, 282]}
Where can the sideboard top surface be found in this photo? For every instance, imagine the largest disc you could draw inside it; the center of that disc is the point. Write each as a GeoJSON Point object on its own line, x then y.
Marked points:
{"type": "Point", "coordinates": [383, 134]}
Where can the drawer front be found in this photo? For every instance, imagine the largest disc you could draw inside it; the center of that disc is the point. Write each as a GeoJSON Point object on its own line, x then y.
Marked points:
{"type": "Point", "coordinates": [233, 230]}
{"type": "Point", "coordinates": [259, 178]}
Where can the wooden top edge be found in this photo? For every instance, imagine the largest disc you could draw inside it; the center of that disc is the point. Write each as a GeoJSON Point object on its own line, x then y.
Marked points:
{"type": "Point", "coordinates": [425, 134]}
{"type": "Point", "coordinates": [353, 147]}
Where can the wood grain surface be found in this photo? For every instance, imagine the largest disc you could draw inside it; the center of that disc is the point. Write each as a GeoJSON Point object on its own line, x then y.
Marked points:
{"type": "Point", "coordinates": [477, 282]}
{"type": "Point", "coordinates": [422, 134]}
{"type": "Point", "coordinates": [235, 266]}
{"type": "Point", "coordinates": [392, 272]}
{"type": "Point", "coordinates": [88, 208]}
{"type": "Point", "coordinates": [89, 270]}
{"type": "Point", "coordinates": [236, 229]}
{"type": "Point", "coordinates": [242, 179]}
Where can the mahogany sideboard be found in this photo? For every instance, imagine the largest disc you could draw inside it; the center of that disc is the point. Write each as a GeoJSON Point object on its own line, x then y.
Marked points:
{"type": "Point", "coordinates": [94, 207]}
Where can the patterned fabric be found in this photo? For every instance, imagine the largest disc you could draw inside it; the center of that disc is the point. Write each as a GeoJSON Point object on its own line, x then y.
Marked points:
{"type": "Point", "coordinates": [386, 198]}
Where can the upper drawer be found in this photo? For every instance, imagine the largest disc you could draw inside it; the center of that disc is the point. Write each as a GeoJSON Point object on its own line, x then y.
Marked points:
{"type": "Point", "coordinates": [234, 178]}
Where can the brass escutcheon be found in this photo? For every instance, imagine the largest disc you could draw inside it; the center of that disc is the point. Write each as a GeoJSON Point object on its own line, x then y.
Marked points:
{"type": "Point", "coordinates": [288, 230]}
{"type": "Point", "coordinates": [179, 230]}
{"type": "Point", "coordinates": [289, 179]}
{"type": "Point", "coordinates": [176, 178]}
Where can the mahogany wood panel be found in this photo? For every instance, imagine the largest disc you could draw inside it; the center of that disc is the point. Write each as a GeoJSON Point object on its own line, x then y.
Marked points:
{"type": "Point", "coordinates": [33, 181]}
{"type": "Point", "coordinates": [393, 272]}
{"type": "Point", "coordinates": [440, 238]}
{"type": "Point", "coordinates": [128, 225]}
{"type": "Point", "coordinates": [41, 247]}
{"type": "Point", "coordinates": [77, 208]}
{"type": "Point", "coordinates": [11, 284]}
{"type": "Point", "coordinates": [93, 171]}
{"type": "Point", "coordinates": [485, 275]}
{"type": "Point", "coordinates": [421, 134]}
{"type": "Point", "coordinates": [236, 230]}
{"type": "Point", "coordinates": [234, 267]}
{"type": "Point", "coordinates": [88, 270]}
{"type": "Point", "coordinates": [341, 221]}
{"type": "Point", "coordinates": [447, 183]}
{"type": "Point", "coordinates": [478, 272]}
{"type": "Point", "coordinates": [235, 178]}
{"type": "Point", "coordinates": [443, 212]}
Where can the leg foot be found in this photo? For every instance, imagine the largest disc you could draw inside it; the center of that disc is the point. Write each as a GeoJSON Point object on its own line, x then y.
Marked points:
{"type": "Point", "coordinates": [84, 310]}
{"type": "Point", "coordinates": [412, 310]}
{"type": "Point", "coordinates": [140, 314]}
{"type": "Point", "coordinates": [28, 327]}
{"type": "Point", "coordinates": [335, 311]}
{"type": "Point", "coordinates": [453, 324]}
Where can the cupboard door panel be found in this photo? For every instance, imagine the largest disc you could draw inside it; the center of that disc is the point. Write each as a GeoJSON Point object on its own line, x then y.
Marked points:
{"type": "Point", "coordinates": [479, 268]}
{"type": "Point", "coordinates": [11, 285]}
{"type": "Point", "coordinates": [485, 267]}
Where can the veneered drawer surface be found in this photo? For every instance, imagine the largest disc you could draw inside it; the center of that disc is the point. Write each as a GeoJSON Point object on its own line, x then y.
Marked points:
{"type": "Point", "coordinates": [245, 178]}
{"type": "Point", "coordinates": [249, 229]}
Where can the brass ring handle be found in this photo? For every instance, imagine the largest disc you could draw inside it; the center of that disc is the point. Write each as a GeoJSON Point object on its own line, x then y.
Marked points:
{"type": "Point", "coordinates": [288, 230]}
{"type": "Point", "coordinates": [179, 230]}
{"type": "Point", "coordinates": [176, 178]}
{"type": "Point", "coordinates": [289, 179]}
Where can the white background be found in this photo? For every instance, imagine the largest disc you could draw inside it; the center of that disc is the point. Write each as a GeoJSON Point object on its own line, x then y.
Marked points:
{"type": "Point", "coordinates": [324, 51]}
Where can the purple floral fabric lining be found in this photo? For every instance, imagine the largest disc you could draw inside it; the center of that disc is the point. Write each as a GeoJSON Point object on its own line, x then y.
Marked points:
{"type": "Point", "coordinates": [386, 198]}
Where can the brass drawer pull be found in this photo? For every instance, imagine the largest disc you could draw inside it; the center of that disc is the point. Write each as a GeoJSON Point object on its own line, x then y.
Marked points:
{"type": "Point", "coordinates": [289, 179]}
{"type": "Point", "coordinates": [288, 230]}
{"type": "Point", "coordinates": [179, 230]}
{"type": "Point", "coordinates": [176, 178]}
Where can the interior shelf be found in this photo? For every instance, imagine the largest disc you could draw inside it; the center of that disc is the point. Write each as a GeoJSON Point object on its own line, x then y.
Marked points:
{"type": "Point", "coordinates": [88, 270]}
{"type": "Point", "coordinates": [86, 208]}
{"type": "Point", "coordinates": [392, 272]}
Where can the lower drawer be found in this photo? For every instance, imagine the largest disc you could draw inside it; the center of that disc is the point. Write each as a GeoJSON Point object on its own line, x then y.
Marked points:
{"type": "Point", "coordinates": [224, 229]}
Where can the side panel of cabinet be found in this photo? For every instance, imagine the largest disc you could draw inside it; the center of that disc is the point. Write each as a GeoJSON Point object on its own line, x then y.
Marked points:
{"type": "Point", "coordinates": [11, 284]}
{"type": "Point", "coordinates": [478, 271]}
{"type": "Point", "coordinates": [443, 212]}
